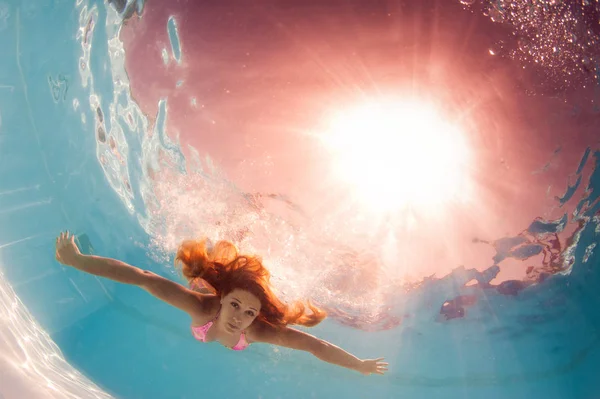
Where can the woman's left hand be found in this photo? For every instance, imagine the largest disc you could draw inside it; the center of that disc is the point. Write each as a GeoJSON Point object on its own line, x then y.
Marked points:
{"type": "Point", "coordinates": [373, 366]}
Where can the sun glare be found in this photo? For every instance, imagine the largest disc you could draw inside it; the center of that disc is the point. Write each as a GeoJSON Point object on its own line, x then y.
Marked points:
{"type": "Point", "coordinates": [399, 153]}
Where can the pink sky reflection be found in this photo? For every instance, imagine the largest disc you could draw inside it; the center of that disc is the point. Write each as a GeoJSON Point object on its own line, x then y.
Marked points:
{"type": "Point", "coordinates": [265, 78]}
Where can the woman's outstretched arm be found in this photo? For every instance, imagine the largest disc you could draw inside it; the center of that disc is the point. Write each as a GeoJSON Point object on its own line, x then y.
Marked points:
{"type": "Point", "coordinates": [164, 289]}
{"type": "Point", "coordinates": [295, 339]}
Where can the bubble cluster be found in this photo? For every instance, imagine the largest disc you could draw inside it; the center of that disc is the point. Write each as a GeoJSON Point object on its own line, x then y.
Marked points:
{"type": "Point", "coordinates": [559, 37]}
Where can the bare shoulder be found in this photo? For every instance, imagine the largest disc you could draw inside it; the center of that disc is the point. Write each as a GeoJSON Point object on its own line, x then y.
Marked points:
{"type": "Point", "coordinates": [207, 310]}
{"type": "Point", "coordinates": [259, 330]}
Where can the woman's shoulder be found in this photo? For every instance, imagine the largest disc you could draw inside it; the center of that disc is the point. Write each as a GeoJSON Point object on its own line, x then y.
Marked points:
{"type": "Point", "coordinates": [253, 332]}
{"type": "Point", "coordinates": [208, 309]}
{"type": "Point", "coordinates": [260, 330]}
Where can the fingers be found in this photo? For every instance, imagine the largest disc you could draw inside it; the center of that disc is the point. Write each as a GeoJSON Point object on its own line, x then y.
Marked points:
{"type": "Point", "coordinates": [62, 242]}
{"type": "Point", "coordinates": [378, 366]}
{"type": "Point", "coordinates": [62, 238]}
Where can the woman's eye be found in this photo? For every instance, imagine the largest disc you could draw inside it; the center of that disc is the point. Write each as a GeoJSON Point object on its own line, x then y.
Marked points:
{"type": "Point", "coordinates": [235, 305]}
{"type": "Point", "coordinates": [249, 313]}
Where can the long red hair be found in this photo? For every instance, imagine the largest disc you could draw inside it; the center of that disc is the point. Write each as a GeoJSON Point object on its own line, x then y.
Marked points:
{"type": "Point", "coordinates": [221, 266]}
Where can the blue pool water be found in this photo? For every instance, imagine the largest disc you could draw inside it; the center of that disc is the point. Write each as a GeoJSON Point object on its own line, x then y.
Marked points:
{"type": "Point", "coordinates": [68, 334]}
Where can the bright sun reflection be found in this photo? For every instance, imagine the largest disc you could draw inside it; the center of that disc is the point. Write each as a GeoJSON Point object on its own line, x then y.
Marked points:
{"type": "Point", "coordinates": [398, 154]}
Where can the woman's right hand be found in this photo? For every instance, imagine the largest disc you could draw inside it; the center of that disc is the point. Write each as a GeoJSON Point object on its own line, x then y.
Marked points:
{"type": "Point", "coordinates": [67, 252]}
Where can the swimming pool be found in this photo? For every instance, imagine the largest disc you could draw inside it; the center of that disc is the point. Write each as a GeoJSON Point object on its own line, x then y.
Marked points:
{"type": "Point", "coordinates": [84, 146]}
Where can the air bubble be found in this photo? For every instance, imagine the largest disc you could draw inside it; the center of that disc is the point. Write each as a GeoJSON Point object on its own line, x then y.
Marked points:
{"type": "Point", "coordinates": [586, 60]}
{"type": "Point", "coordinates": [165, 56]}
{"type": "Point", "coordinates": [100, 114]}
{"type": "Point", "coordinates": [101, 134]}
{"type": "Point", "coordinates": [496, 15]}
{"type": "Point", "coordinates": [524, 45]}
{"type": "Point", "coordinates": [497, 48]}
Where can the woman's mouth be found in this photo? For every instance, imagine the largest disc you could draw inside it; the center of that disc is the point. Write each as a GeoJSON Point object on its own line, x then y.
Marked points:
{"type": "Point", "coordinates": [232, 326]}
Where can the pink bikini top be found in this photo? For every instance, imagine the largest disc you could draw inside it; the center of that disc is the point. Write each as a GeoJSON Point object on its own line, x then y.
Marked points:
{"type": "Point", "coordinates": [200, 332]}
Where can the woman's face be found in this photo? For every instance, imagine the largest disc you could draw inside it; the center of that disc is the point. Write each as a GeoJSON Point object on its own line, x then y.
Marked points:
{"type": "Point", "coordinates": [239, 308]}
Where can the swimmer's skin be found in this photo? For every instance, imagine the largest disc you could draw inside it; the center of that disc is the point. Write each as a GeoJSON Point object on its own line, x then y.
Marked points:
{"type": "Point", "coordinates": [203, 307]}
